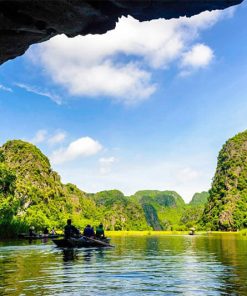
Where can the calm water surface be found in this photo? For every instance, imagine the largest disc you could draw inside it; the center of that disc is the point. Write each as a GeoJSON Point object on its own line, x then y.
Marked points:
{"type": "Point", "coordinates": [166, 265]}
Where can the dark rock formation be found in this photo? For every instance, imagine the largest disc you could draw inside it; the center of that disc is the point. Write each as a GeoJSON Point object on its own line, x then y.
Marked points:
{"type": "Point", "coordinates": [24, 22]}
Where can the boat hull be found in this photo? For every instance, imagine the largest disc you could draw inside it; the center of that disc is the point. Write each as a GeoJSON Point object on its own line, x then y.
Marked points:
{"type": "Point", "coordinates": [81, 243]}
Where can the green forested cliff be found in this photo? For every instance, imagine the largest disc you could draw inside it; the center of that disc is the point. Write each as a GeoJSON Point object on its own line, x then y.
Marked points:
{"type": "Point", "coordinates": [119, 211]}
{"type": "Point", "coordinates": [36, 195]}
{"type": "Point", "coordinates": [227, 204]}
{"type": "Point", "coordinates": [31, 193]}
{"type": "Point", "coordinates": [194, 210]}
{"type": "Point", "coordinates": [162, 209]}
{"type": "Point", "coordinates": [199, 199]}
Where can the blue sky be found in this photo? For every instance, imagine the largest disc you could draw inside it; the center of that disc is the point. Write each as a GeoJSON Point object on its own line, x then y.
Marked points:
{"type": "Point", "coordinates": [146, 106]}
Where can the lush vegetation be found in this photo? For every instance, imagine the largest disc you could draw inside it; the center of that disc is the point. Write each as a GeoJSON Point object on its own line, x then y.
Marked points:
{"type": "Point", "coordinates": [162, 209]}
{"type": "Point", "coordinates": [199, 199]}
{"type": "Point", "coordinates": [31, 193]}
{"type": "Point", "coordinates": [227, 204]}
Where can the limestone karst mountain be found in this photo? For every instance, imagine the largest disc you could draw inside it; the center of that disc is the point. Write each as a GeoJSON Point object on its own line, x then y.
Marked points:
{"type": "Point", "coordinates": [31, 193]}
{"type": "Point", "coordinates": [199, 198]}
{"type": "Point", "coordinates": [227, 204]}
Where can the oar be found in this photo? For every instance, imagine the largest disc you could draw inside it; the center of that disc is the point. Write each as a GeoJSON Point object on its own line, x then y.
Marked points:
{"type": "Point", "coordinates": [98, 242]}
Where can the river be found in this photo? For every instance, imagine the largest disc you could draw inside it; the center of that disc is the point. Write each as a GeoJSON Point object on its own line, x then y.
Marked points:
{"type": "Point", "coordinates": [207, 264]}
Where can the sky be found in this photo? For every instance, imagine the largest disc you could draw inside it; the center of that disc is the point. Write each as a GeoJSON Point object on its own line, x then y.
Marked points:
{"type": "Point", "coordinates": [145, 106]}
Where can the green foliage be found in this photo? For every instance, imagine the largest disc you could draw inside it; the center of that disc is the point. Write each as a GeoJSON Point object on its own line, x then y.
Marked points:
{"type": "Point", "coordinates": [227, 203]}
{"type": "Point", "coordinates": [192, 215]}
{"type": "Point", "coordinates": [32, 194]}
{"type": "Point", "coordinates": [1, 157]}
{"type": "Point", "coordinates": [7, 180]}
{"type": "Point", "coordinates": [163, 198]}
{"type": "Point", "coordinates": [199, 199]}
{"type": "Point", "coordinates": [120, 212]}
{"type": "Point", "coordinates": [162, 208]}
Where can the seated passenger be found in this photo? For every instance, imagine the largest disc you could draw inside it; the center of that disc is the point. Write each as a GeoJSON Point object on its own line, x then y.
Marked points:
{"type": "Point", "coordinates": [88, 231]}
{"type": "Point", "coordinates": [53, 231]}
{"type": "Point", "coordinates": [100, 231]}
{"type": "Point", "coordinates": [70, 230]}
{"type": "Point", "coordinates": [31, 231]}
{"type": "Point", "coordinates": [46, 231]}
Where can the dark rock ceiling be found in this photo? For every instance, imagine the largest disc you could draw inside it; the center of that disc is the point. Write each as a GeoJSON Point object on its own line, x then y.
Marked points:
{"type": "Point", "coordinates": [24, 22]}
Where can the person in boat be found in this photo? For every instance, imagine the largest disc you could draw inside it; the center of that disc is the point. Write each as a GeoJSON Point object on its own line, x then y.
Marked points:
{"type": "Point", "coordinates": [100, 233]}
{"type": "Point", "coordinates": [53, 231]}
{"type": "Point", "coordinates": [89, 231]}
{"type": "Point", "coordinates": [70, 230]}
{"type": "Point", "coordinates": [46, 231]}
{"type": "Point", "coordinates": [31, 231]}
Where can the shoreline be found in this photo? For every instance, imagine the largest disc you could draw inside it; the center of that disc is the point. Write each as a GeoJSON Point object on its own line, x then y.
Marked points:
{"type": "Point", "coordinates": [163, 233]}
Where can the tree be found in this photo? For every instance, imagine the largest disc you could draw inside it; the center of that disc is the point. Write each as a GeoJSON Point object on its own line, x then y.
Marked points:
{"type": "Point", "coordinates": [7, 180]}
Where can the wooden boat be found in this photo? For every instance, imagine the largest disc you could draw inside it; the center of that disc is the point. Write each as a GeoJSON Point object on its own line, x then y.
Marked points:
{"type": "Point", "coordinates": [192, 231]}
{"type": "Point", "coordinates": [82, 242]}
{"type": "Point", "coordinates": [38, 236]}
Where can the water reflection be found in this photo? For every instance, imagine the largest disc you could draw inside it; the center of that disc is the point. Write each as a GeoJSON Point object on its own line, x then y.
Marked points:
{"type": "Point", "coordinates": [230, 250]}
{"type": "Point", "coordinates": [87, 255]}
{"type": "Point", "coordinates": [70, 255]}
{"type": "Point", "coordinates": [34, 240]}
{"type": "Point", "coordinates": [168, 265]}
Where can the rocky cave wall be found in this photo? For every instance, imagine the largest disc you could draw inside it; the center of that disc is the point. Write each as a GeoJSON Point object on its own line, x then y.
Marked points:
{"type": "Point", "coordinates": [24, 22]}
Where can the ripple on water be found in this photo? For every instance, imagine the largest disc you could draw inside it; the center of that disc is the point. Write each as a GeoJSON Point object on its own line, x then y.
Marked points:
{"type": "Point", "coordinates": [163, 267]}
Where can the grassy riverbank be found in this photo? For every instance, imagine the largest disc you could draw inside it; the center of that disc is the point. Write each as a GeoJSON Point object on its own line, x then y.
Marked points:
{"type": "Point", "coordinates": [163, 233]}
{"type": "Point", "coordinates": [145, 233]}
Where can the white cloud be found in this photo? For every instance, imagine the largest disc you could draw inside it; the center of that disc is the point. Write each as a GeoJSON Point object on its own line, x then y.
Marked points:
{"type": "Point", "coordinates": [57, 138]}
{"type": "Point", "coordinates": [107, 160]}
{"type": "Point", "coordinates": [106, 164]}
{"type": "Point", "coordinates": [5, 88]}
{"type": "Point", "coordinates": [39, 137]}
{"type": "Point", "coordinates": [120, 63]}
{"type": "Point", "coordinates": [198, 57]}
{"type": "Point", "coordinates": [81, 147]}
{"type": "Point", "coordinates": [106, 79]}
{"type": "Point", "coordinates": [207, 19]}
{"type": "Point", "coordinates": [42, 136]}
{"type": "Point", "coordinates": [56, 98]}
{"type": "Point", "coordinates": [187, 174]}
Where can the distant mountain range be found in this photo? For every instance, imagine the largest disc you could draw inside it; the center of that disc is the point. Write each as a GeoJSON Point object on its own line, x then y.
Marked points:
{"type": "Point", "coordinates": [31, 193]}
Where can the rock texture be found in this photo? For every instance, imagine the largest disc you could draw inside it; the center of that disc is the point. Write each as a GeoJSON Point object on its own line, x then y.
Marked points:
{"type": "Point", "coordinates": [227, 203]}
{"type": "Point", "coordinates": [24, 22]}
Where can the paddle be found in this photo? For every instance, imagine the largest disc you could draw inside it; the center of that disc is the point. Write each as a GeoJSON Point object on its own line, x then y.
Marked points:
{"type": "Point", "coordinates": [98, 242]}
